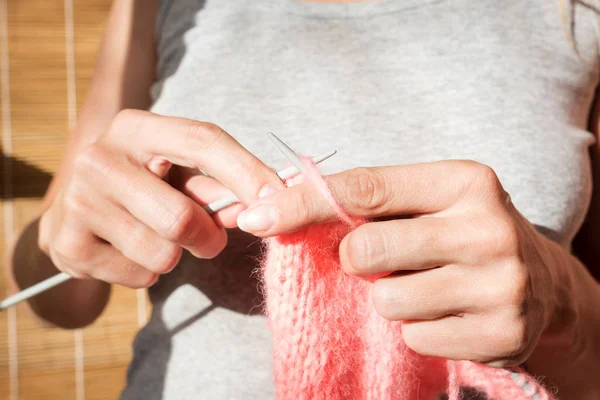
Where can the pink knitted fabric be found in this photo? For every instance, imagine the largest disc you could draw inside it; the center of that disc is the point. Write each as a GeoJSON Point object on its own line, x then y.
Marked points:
{"type": "Point", "coordinates": [329, 343]}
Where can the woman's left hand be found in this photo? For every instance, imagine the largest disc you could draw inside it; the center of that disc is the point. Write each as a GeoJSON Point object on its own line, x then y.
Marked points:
{"type": "Point", "coordinates": [469, 275]}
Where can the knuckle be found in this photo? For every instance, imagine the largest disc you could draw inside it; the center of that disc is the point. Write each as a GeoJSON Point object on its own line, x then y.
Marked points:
{"type": "Point", "coordinates": [441, 238]}
{"type": "Point", "coordinates": [218, 241]}
{"type": "Point", "coordinates": [75, 205]}
{"type": "Point", "coordinates": [203, 135]}
{"type": "Point", "coordinates": [483, 178]}
{"type": "Point", "coordinates": [366, 189]}
{"type": "Point", "coordinates": [87, 158]}
{"type": "Point", "coordinates": [126, 118]}
{"type": "Point", "coordinates": [211, 129]}
{"type": "Point", "coordinates": [485, 174]}
{"type": "Point", "coordinates": [145, 280]}
{"type": "Point", "coordinates": [497, 237]}
{"type": "Point", "coordinates": [504, 237]}
{"type": "Point", "coordinates": [518, 289]}
{"type": "Point", "coordinates": [135, 234]}
{"type": "Point", "coordinates": [385, 301]}
{"type": "Point", "coordinates": [358, 252]}
{"type": "Point", "coordinates": [509, 338]}
{"type": "Point", "coordinates": [183, 225]}
{"type": "Point", "coordinates": [301, 207]}
{"type": "Point", "coordinates": [415, 339]}
{"type": "Point", "coordinates": [69, 247]}
{"type": "Point", "coordinates": [167, 259]}
{"type": "Point", "coordinates": [93, 159]}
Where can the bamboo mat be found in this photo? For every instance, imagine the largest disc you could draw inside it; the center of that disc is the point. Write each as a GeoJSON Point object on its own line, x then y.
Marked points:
{"type": "Point", "coordinates": [47, 50]}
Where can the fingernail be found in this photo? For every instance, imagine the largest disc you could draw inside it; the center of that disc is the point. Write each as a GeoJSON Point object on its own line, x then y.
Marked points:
{"type": "Point", "coordinates": [265, 191]}
{"type": "Point", "coordinates": [258, 218]}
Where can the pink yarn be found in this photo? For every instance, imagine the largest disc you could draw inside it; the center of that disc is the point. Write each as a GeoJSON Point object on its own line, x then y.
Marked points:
{"type": "Point", "coordinates": [453, 384]}
{"type": "Point", "coordinates": [329, 343]}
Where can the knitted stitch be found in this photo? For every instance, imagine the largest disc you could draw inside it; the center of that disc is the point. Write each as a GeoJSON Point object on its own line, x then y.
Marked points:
{"type": "Point", "coordinates": [329, 343]}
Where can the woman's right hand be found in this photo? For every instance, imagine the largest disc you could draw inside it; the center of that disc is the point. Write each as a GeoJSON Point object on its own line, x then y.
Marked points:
{"type": "Point", "coordinates": [117, 220]}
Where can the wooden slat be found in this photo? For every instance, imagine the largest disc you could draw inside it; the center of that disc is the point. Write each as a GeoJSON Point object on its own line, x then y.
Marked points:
{"type": "Point", "coordinates": [90, 19]}
{"type": "Point", "coordinates": [45, 354]}
{"type": "Point", "coordinates": [37, 67]}
{"type": "Point", "coordinates": [44, 384]}
{"type": "Point", "coordinates": [108, 346]}
{"type": "Point", "coordinates": [96, 387]}
{"type": "Point", "coordinates": [4, 364]}
{"type": "Point", "coordinates": [4, 349]}
{"type": "Point", "coordinates": [39, 107]}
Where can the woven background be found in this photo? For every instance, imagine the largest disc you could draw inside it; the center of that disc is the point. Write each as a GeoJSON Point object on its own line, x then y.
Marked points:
{"type": "Point", "coordinates": [47, 49]}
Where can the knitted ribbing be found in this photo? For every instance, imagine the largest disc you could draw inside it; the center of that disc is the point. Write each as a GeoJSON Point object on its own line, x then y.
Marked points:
{"type": "Point", "coordinates": [330, 343]}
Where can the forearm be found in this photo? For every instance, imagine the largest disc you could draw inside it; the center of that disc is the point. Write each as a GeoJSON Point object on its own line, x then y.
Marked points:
{"type": "Point", "coordinates": [122, 78]}
{"type": "Point", "coordinates": [568, 353]}
{"type": "Point", "coordinates": [73, 304]}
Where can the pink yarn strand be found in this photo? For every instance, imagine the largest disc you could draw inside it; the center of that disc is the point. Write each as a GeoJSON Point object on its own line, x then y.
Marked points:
{"type": "Point", "coordinates": [453, 384]}
{"type": "Point", "coordinates": [314, 176]}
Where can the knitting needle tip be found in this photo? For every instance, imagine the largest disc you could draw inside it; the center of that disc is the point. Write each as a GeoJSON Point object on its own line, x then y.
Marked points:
{"type": "Point", "coordinates": [292, 170]}
{"type": "Point", "coordinates": [287, 152]}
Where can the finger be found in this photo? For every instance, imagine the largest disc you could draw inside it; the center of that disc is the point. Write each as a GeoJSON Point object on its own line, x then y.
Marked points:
{"type": "Point", "coordinates": [406, 190]}
{"type": "Point", "coordinates": [426, 295]}
{"type": "Point", "coordinates": [83, 256]}
{"type": "Point", "coordinates": [193, 144]}
{"type": "Point", "coordinates": [74, 249]}
{"type": "Point", "coordinates": [132, 238]}
{"type": "Point", "coordinates": [204, 190]}
{"type": "Point", "coordinates": [118, 269]}
{"type": "Point", "coordinates": [471, 337]}
{"type": "Point", "coordinates": [377, 248]}
{"type": "Point", "coordinates": [156, 204]}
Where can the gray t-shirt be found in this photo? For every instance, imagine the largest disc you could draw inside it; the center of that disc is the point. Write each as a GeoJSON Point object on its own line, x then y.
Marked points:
{"type": "Point", "coordinates": [384, 82]}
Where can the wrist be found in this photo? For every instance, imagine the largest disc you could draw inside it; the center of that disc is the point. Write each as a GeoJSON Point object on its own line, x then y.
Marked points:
{"type": "Point", "coordinates": [564, 311]}
{"type": "Point", "coordinates": [562, 332]}
{"type": "Point", "coordinates": [566, 354]}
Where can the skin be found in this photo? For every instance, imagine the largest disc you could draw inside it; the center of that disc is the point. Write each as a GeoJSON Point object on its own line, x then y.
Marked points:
{"type": "Point", "coordinates": [467, 272]}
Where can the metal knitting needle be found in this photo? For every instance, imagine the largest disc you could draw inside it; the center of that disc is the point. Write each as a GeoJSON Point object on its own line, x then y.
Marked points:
{"type": "Point", "coordinates": [211, 208]}
{"type": "Point", "coordinates": [288, 153]}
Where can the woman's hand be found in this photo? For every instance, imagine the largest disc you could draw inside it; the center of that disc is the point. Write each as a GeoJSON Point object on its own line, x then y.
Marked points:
{"type": "Point", "coordinates": [118, 221]}
{"type": "Point", "coordinates": [470, 277]}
